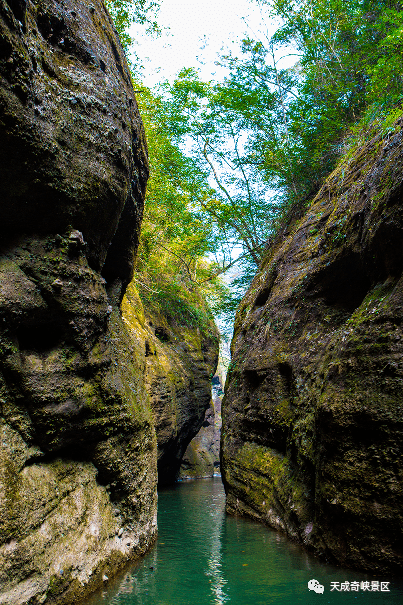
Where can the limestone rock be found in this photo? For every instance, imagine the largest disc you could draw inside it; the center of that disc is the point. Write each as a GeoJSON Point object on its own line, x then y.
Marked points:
{"type": "Point", "coordinates": [78, 459]}
{"type": "Point", "coordinates": [180, 362]}
{"type": "Point", "coordinates": [312, 415]}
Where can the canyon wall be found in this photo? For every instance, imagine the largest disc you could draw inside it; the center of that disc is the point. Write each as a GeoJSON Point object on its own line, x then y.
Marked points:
{"type": "Point", "coordinates": [181, 359]}
{"type": "Point", "coordinates": [312, 414]}
{"type": "Point", "coordinates": [202, 456]}
{"type": "Point", "coordinates": [78, 447]}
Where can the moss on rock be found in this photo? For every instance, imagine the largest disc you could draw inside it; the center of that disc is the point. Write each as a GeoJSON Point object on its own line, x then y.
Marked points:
{"type": "Point", "coordinates": [78, 446]}
{"type": "Point", "coordinates": [180, 360]}
{"type": "Point", "coordinates": [312, 419]}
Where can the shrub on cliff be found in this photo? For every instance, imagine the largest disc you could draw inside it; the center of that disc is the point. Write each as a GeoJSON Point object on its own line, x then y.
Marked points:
{"type": "Point", "coordinates": [230, 159]}
{"type": "Point", "coordinates": [177, 267]}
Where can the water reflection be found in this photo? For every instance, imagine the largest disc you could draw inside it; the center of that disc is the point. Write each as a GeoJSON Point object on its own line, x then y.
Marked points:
{"type": "Point", "coordinates": [218, 581]}
{"type": "Point", "coordinates": [204, 557]}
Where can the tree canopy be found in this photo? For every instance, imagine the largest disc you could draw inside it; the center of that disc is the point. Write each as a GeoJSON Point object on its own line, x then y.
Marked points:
{"type": "Point", "coordinates": [281, 117]}
{"type": "Point", "coordinates": [229, 158]}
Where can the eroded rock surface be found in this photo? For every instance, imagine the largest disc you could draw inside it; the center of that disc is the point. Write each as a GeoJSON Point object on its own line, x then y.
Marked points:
{"type": "Point", "coordinates": [78, 459]}
{"type": "Point", "coordinates": [202, 456]}
{"type": "Point", "coordinates": [312, 416]}
{"type": "Point", "coordinates": [180, 362]}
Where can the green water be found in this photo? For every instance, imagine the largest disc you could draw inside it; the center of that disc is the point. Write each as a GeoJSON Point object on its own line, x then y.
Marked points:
{"type": "Point", "coordinates": [203, 557]}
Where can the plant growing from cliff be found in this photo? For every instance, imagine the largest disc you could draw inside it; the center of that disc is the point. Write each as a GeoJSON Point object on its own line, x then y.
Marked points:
{"type": "Point", "coordinates": [229, 159]}
{"type": "Point", "coordinates": [347, 58]}
{"type": "Point", "coordinates": [176, 267]}
{"type": "Point", "coordinates": [129, 13]}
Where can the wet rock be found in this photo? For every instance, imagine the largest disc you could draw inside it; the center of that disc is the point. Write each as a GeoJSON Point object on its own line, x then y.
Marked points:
{"type": "Point", "coordinates": [78, 457]}
{"type": "Point", "coordinates": [312, 415]}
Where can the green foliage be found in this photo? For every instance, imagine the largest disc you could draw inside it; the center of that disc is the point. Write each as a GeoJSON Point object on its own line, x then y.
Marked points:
{"type": "Point", "coordinates": [209, 118]}
{"type": "Point", "coordinates": [230, 159]}
{"type": "Point", "coordinates": [269, 134]}
{"type": "Point", "coordinates": [175, 270]}
{"type": "Point", "coordinates": [349, 65]}
{"type": "Point", "coordinates": [125, 14]}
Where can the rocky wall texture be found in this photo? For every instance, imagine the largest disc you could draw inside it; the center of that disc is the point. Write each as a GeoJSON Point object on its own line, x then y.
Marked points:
{"type": "Point", "coordinates": [312, 415]}
{"type": "Point", "coordinates": [78, 447]}
{"type": "Point", "coordinates": [202, 456]}
{"type": "Point", "coordinates": [181, 360]}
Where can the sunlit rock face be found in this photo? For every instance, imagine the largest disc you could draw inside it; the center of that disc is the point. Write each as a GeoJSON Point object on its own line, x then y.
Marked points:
{"type": "Point", "coordinates": [78, 447]}
{"type": "Point", "coordinates": [312, 416]}
{"type": "Point", "coordinates": [180, 361]}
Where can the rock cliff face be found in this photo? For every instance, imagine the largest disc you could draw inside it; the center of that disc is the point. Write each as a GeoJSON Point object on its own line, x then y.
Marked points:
{"type": "Point", "coordinates": [312, 416]}
{"type": "Point", "coordinates": [202, 456]}
{"type": "Point", "coordinates": [78, 448]}
{"type": "Point", "coordinates": [180, 362]}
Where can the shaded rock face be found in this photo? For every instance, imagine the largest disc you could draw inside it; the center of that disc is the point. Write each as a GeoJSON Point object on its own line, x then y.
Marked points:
{"type": "Point", "coordinates": [180, 362]}
{"type": "Point", "coordinates": [312, 416]}
{"type": "Point", "coordinates": [70, 130]}
{"type": "Point", "coordinates": [78, 448]}
{"type": "Point", "coordinates": [202, 456]}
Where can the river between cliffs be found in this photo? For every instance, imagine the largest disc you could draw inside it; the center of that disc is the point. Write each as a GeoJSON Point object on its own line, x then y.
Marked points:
{"type": "Point", "coordinates": [204, 557]}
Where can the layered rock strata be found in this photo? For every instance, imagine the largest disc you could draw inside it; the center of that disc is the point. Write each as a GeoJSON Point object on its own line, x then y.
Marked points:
{"type": "Point", "coordinates": [312, 416]}
{"type": "Point", "coordinates": [78, 447]}
{"type": "Point", "coordinates": [180, 362]}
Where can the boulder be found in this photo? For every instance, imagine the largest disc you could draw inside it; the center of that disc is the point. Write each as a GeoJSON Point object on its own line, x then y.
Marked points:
{"type": "Point", "coordinates": [202, 456]}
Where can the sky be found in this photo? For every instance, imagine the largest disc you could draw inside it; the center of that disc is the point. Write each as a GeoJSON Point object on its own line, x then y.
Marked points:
{"type": "Point", "coordinates": [198, 30]}
{"type": "Point", "coordinates": [195, 32]}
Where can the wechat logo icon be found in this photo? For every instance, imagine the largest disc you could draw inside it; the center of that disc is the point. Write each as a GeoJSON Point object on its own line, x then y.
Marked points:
{"type": "Point", "coordinates": [315, 586]}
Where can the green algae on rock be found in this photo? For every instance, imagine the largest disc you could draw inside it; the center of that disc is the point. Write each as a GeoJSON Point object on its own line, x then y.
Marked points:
{"type": "Point", "coordinates": [312, 415]}
{"type": "Point", "coordinates": [180, 361]}
{"type": "Point", "coordinates": [78, 461]}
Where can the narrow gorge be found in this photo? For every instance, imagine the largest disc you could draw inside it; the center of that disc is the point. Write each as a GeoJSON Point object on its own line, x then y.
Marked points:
{"type": "Point", "coordinates": [106, 389]}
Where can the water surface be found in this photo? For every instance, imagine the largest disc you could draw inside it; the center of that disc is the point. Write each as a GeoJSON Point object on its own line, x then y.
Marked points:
{"type": "Point", "coordinates": [204, 557]}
